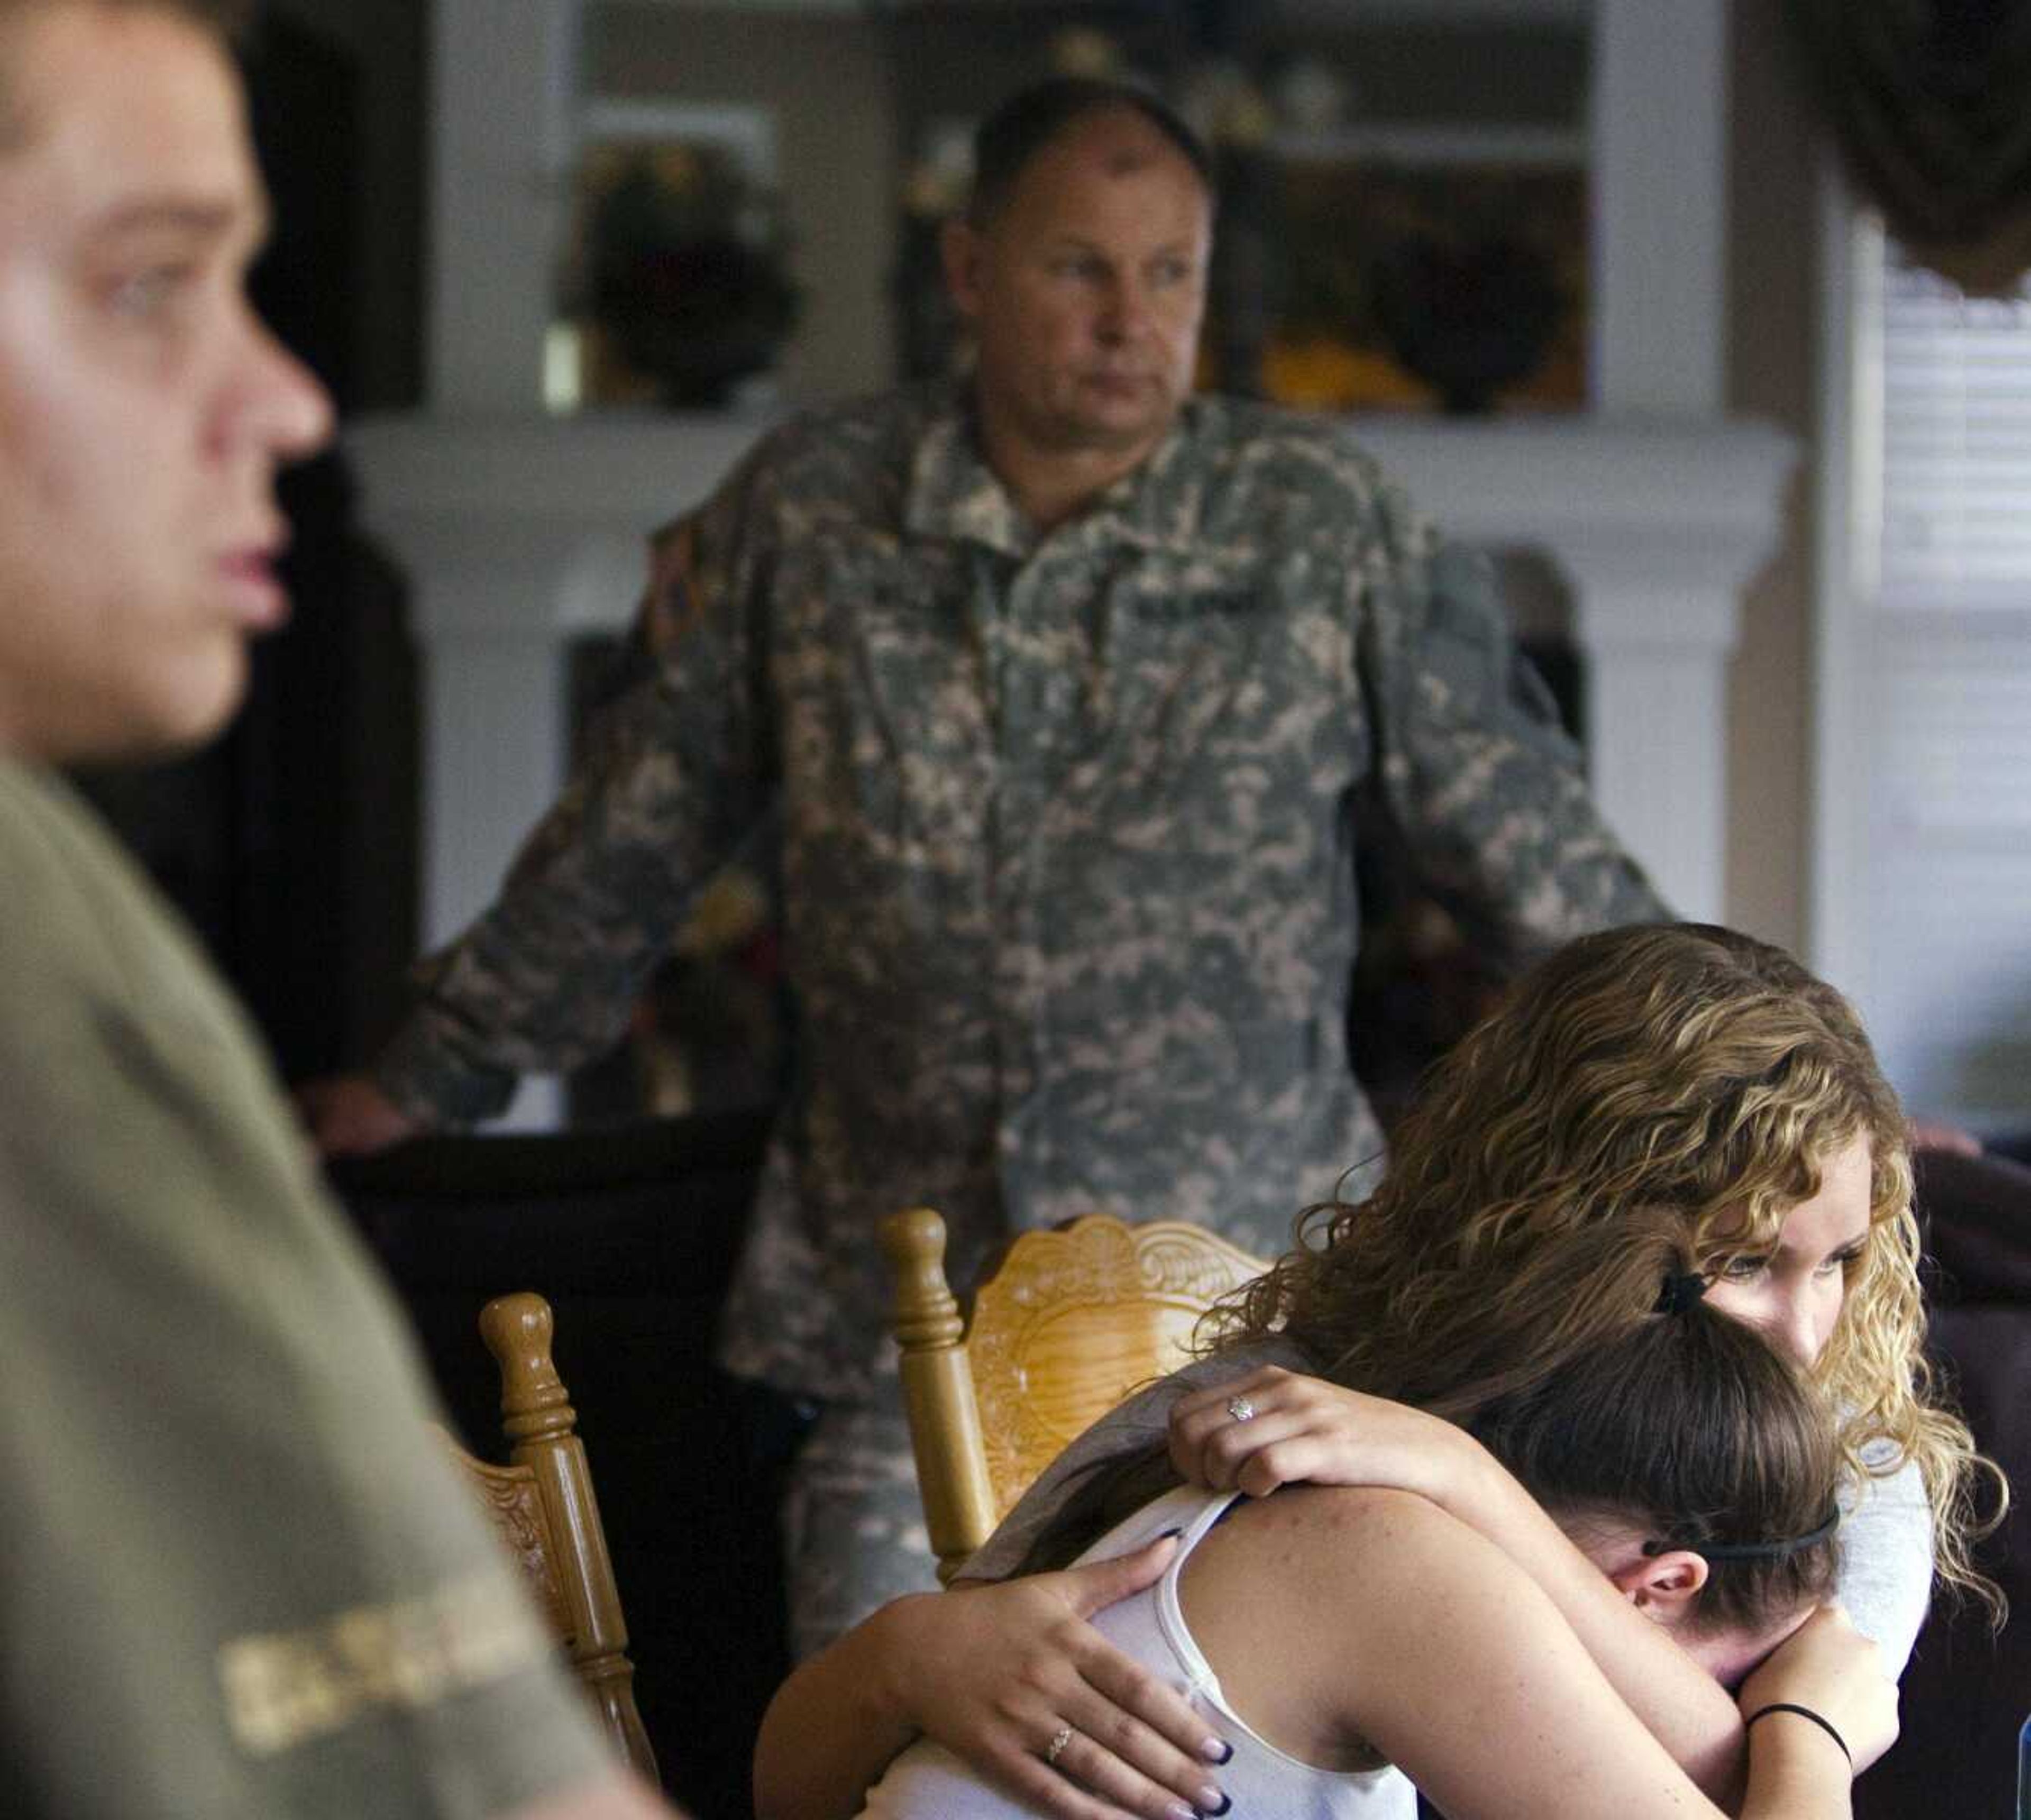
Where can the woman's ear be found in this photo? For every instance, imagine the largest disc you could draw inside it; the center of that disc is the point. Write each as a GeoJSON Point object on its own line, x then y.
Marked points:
{"type": "Point", "coordinates": [1662, 1587]}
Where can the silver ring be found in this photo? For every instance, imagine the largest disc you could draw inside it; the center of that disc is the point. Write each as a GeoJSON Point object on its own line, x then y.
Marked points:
{"type": "Point", "coordinates": [1061, 1737]}
{"type": "Point", "coordinates": [1241, 1409]}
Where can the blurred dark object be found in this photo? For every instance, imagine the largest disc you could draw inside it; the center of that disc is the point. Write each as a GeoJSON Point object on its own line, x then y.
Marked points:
{"type": "Point", "coordinates": [1468, 319]}
{"type": "Point", "coordinates": [1929, 102]}
{"type": "Point", "coordinates": [631, 1234]}
{"type": "Point", "coordinates": [1967, 1689]}
{"type": "Point", "coordinates": [686, 281]}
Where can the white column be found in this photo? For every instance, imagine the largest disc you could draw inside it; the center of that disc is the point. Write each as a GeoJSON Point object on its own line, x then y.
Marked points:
{"type": "Point", "coordinates": [502, 81]}
{"type": "Point", "coordinates": [1659, 178]}
{"type": "Point", "coordinates": [1657, 646]}
{"type": "Point", "coordinates": [517, 535]}
{"type": "Point", "coordinates": [1657, 527]}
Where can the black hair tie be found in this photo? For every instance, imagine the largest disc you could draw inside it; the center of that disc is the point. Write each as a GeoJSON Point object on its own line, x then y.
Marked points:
{"type": "Point", "coordinates": [1681, 1292]}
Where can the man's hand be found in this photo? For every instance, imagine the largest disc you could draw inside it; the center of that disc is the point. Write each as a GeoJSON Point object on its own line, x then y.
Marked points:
{"type": "Point", "coordinates": [349, 1115]}
{"type": "Point", "coordinates": [1932, 1134]}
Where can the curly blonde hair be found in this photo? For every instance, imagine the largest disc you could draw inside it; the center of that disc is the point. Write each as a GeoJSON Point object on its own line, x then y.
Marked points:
{"type": "Point", "coordinates": [1681, 1072]}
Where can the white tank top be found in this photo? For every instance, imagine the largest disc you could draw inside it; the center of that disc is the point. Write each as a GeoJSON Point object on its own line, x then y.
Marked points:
{"type": "Point", "coordinates": [927, 1782]}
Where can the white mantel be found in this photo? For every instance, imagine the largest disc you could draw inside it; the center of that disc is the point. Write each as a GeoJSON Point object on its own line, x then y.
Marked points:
{"type": "Point", "coordinates": [520, 532]}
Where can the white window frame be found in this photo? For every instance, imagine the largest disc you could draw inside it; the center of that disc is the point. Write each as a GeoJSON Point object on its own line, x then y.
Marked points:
{"type": "Point", "coordinates": [1847, 510]}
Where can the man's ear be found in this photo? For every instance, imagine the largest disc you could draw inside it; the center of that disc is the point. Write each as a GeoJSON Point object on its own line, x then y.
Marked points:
{"type": "Point", "coordinates": [1662, 1587]}
{"type": "Point", "coordinates": [962, 249]}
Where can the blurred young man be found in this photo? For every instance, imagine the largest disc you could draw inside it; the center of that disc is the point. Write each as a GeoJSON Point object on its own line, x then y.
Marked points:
{"type": "Point", "coordinates": [238, 1578]}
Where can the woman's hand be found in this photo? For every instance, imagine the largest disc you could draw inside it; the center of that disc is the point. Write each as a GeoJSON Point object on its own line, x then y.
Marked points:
{"type": "Point", "coordinates": [1001, 1669]}
{"type": "Point", "coordinates": [994, 1673]}
{"type": "Point", "coordinates": [1829, 1666]}
{"type": "Point", "coordinates": [1305, 1430]}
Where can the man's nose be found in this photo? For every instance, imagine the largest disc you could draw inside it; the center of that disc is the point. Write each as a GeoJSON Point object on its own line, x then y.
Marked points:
{"type": "Point", "coordinates": [1125, 309]}
{"type": "Point", "coordinates": [276, 406]}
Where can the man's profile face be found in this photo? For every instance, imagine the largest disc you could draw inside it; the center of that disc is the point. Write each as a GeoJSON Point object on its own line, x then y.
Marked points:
{"type": "Point", "coordinates": [1085, 291]}
{"type": "Point", "coordinates": [143, 409]}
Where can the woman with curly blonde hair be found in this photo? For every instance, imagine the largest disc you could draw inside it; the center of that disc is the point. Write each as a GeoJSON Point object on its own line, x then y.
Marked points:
{"type": "Point", "coordinates": [1682, 1067]}
{"type": "Point", "coordinates": [1683, 1074]}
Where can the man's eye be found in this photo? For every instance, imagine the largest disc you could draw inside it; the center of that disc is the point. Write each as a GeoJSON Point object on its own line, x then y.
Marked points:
{"type": "Point", "coordinates": [145, 293]}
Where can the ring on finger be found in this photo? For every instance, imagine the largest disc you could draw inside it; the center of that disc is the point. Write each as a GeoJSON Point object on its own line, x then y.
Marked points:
{"type": "Point", "coordinates": [1061, 1737]}
{"type": "Point", "coordinates": [1241, 1409]}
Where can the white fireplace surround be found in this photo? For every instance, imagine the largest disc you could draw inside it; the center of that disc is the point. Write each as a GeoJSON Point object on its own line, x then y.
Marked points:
{"type": "Point", "coordinates": [518, 532]}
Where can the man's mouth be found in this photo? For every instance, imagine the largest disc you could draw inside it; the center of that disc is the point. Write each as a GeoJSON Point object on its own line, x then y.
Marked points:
{"type": "Point", "coordinates": [257, 599]}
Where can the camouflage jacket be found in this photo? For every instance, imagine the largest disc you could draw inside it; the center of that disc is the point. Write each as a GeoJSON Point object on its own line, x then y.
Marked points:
{"type": "Point", "coordinates": [1066, 834]}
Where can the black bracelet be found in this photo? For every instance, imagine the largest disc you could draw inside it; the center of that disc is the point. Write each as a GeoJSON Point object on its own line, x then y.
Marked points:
{"type": "Point", "coordinates": [1826, 1726]}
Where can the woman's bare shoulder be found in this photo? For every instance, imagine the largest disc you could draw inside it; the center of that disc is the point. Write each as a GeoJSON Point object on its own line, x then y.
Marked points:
{"type": "Point", "coordinates": [1306, 1603]}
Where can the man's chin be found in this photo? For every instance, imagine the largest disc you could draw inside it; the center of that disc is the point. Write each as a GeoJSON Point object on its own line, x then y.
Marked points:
{"type": "Point", "coordinates": [169, 724]}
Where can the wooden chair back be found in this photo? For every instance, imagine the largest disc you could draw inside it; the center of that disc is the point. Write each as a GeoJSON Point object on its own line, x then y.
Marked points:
{"type": "Point", "coordinates": [1070, 1321]}
{"type": "Point", "coordinates": [542, 1505]}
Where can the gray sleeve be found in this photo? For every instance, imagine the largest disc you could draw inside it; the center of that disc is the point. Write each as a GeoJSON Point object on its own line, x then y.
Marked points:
{"type": "Point", "coordinates": [1886, 1569]}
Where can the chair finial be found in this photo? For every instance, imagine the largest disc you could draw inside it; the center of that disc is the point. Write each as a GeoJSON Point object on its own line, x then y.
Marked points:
{"type": "Point", "coordinates": [517, 1329]}
{"type": "Point", "coordinates": [926, 1313]}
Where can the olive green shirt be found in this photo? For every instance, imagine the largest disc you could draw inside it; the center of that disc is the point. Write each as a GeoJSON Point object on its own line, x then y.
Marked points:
{"type": "Point", "coordinates": [237, 1576]}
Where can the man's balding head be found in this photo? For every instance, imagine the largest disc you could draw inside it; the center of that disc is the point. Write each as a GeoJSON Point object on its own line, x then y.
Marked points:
{"type": "Point", "coordinates": [1033, 118]}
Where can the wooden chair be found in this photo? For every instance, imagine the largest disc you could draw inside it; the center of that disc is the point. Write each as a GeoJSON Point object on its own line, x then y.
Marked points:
{"type": "Point", "coordinates": [1070, 1321]}
{"type": "Point", "coordinates": [541, 1504]}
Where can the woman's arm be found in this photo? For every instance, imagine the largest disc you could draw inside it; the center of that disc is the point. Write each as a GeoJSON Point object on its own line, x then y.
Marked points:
{"type": "Point", "coordinates": [1395, 1624]}
{"type": "Point", "coordinates": [991, 1672]}
{"type": "Point", "coordinates": [1305, 1430]}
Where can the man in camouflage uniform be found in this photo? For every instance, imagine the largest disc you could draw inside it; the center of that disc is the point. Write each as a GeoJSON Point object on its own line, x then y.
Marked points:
{"type": "Point", "coordinates": [1064, 683]}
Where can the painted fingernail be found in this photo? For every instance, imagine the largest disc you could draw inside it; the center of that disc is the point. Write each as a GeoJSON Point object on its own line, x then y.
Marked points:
{"type": "Point", "coordinates": [1212, 1803]}
{"type": "Point", "coordinates": [1216, 1749]}
{"type": "Point", "coordinates": [1177, 1810]}
{"type": "Point", "coordinates": [1166, 1535]}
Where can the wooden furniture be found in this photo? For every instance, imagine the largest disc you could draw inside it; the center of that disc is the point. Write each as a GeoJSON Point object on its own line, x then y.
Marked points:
{"type": "Point", "coordinates": [1070, 1321]}
{"type": "Point", "coordinates": [542, 1505]}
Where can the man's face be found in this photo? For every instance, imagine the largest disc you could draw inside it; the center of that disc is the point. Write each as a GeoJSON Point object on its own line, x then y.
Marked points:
{"type": "Point", "coordinates": [1085, 291]}
{"type": "Point", "coordinates": [143, 409]}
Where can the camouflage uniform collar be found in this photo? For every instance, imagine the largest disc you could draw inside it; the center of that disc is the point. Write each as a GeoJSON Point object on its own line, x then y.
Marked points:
{"type": "Point", "coordinates": [953, 493]}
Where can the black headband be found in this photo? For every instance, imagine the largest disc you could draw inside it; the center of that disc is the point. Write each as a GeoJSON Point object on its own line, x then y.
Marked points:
{"type": "Point", "coordinates": [1753, 1550]}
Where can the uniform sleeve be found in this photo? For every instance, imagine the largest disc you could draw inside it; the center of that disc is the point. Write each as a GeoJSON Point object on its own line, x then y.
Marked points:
{"type": "Point", "coordinates": [1885, 1560]}
{"type": "Point", "coordinates": [677, 768]}
{"type": "Point", "coordinates": [1485, 789]}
